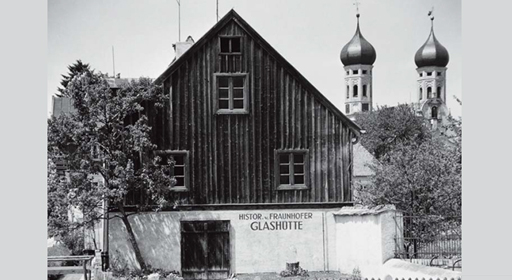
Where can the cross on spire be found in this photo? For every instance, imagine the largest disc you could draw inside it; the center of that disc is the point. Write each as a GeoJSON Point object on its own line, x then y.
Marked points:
{"type": "Point", "coordinates": [356, 3]}
{"type": "Point", "coordinates": [431, 13]}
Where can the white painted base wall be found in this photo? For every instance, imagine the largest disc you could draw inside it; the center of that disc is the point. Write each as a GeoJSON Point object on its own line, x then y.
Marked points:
{"type": "Point", "coordinates": [252, 250]}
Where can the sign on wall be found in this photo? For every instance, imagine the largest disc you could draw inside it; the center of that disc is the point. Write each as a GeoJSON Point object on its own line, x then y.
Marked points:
{"type": "Point", "coordinates": [276, 221]}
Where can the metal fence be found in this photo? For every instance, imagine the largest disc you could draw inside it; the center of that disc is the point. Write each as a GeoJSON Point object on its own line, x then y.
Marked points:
{"type": "Point", "coordinates": [429, 240]}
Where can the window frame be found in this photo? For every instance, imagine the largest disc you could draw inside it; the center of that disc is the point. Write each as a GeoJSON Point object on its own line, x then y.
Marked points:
{"type": "Point", "coordinates": [245, 109]}
{"type": "Point", "coordinates": [230, 53]}
{"type": "Point", "coordinates": [290, 185]}
{"type": "Point", "coordinates": [186, 168]}
{"type": "Point", "coordinates": [347, 108]}
{"type": "Point", "coordinates": [355, 91]}
{"type": "Point", "coordinates": [367, 109]}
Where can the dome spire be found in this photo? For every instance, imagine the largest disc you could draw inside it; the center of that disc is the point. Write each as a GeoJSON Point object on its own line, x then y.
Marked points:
{"type": "Point", "coordinates": [431, 53]}
{"type": "Point", "coordinates": [358, 50]}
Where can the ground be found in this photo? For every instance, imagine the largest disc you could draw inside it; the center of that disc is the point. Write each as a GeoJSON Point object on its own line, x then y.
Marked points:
{"type": "Point", "coordinates": [312, 275]}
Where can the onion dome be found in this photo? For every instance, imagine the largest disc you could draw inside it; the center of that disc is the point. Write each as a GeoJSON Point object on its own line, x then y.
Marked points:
{"type": "Point", "coordinates": [432, 53]}
{"type": "Point", "coordinates": [358, 50]}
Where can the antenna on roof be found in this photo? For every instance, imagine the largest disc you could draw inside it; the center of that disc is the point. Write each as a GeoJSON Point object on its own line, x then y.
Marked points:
{"type": "Point", "coordinates": [113, 63]}
{"type": "Point", "coordinates": [217, 10]}
{"type": "Point", "coordinates": [179, 20]}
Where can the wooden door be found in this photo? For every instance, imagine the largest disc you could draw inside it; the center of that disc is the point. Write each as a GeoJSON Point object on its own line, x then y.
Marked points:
{"type": "Point", "coordinates": [205, 250]}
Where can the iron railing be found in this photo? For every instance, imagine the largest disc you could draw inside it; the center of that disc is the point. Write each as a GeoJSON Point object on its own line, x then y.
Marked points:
{"type": "Point", "coordinates": [429, 240]}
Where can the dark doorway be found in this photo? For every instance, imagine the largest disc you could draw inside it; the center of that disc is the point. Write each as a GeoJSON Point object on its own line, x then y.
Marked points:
{"type": "Point", "coordinates": [205, 250]}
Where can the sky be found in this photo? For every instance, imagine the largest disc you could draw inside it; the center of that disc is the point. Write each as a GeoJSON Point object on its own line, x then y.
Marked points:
{"type": "Point", "coordinates": [309, 34]}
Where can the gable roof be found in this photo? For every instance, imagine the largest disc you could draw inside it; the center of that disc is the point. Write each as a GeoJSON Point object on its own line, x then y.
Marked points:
{"type": "Point", "coordinates": [232, 15]}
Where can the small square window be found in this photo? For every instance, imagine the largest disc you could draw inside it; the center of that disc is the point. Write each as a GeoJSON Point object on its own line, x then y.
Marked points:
{"type": "Point", "coordinates": [175, 164]}
{"type": "Point", "coordinates": [366, 107]}
{"type": "Point", "coordinates": [365, 71]}
{"type": "Point", "coordinates": [355, 72]}
{"type": "Point", "coordinates": [231, 94]}
{"type": "Point", "coordinates": [429, 73]}
{"type": "Point", "coordinates": [292, 169]}
{"type": "Point", "coordinates": [439, 74]}
{"type": "Point", "coordinates": [230, 44]}
{"type": "Point", "coordinates": [230, 56]}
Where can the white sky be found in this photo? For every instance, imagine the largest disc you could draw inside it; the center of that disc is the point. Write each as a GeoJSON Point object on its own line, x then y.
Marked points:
{"type": "Point", "coordinates": [309, 34]}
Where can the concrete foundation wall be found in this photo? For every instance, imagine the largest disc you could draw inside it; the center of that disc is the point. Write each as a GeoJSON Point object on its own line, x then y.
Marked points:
{"type": "Point", "coordinates": [254, 248]}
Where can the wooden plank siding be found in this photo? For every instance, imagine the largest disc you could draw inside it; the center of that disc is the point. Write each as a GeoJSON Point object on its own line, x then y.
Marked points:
{"type": "Point", "coordinates": [232, 159]}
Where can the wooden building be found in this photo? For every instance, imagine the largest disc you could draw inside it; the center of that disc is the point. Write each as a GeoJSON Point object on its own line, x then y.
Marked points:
{"type": "Point", "coordinates": [263, 159]}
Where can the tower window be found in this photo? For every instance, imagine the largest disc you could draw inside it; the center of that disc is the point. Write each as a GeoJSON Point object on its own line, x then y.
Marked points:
{"type": "Point", "coordinates": [438, 92]}
{"type": "Point", "coordinates": [439, 74]}
{"type": "Point", "coordinates": [434, 112]}
{"type": "Point", "coordinates": [421, 93]}
{"type": "Point", "coordinates": [366, 107]}
{"type": "Point", "coordinates": [421, 74]}
{"type": "Point", "coordinates": [348, 72]}
{"type": "Point", "coordinates": [355, 91]}
{"type": "Point", "coordinates": [355, 72]}
{"type": "Point", "coordinates": [429, 73]}
{"type": "Point", "coordinates": [348, 92]}
{"type": "Point", "coordinates": [429, 92]}
{"type": "Point", "coordinates": [364, 90]}
{"type": "Point", "coordinates": [365, 71]}
{"type": "Point", "coordinates": [347, 109]}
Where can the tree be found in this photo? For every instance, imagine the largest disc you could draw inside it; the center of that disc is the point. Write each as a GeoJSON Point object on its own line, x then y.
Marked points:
{"type": "Point", "coordinates": [74, 70]}
{"type": "Point", "coordinates": [388, 126]}
{"type": "Point", "coordinates": [419, 171]}
{"type": "Point", "coordinates": [98, 140]}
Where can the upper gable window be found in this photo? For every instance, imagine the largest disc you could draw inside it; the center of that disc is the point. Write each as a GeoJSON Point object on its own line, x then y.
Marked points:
{"type": "Point", "coordinates": [230, 54]}
{"type": "Point", "coordinates": [231, 93]}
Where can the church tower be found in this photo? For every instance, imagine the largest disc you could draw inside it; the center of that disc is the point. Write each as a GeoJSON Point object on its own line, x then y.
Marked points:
{"type": "Point", "coordinates": [358, 57]}
{"type": "Point", "coordinates": [431, 60]}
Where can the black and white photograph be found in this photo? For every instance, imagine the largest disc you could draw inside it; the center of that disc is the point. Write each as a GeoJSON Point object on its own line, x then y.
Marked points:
{"type": "Point", "coordinates": [254, 140]}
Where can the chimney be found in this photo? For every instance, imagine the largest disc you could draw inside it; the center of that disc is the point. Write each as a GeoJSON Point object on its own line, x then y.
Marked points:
{"type": "Point", "coordinates": [181, 47]}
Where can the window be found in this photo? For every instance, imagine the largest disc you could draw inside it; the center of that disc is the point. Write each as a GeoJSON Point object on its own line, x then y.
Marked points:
{"type": "Point", "coordinates": [355, 91]}
{"type": "Point", "coordinates": [365, 71]}
{"type": "Point", "coordinates": [347, 109]}
{"type": "Point", "coordinates": [348, 92]}
{"type": "Point", "coordinates": [366, 107]}
{"type": "Point", "coordinates": [355, 72]}
{"type": "Point", "coordinates": [421, 74]}
{"type": "Point", "coordinates": [230, 54]}
{"type": "Point", "coordinates": [364, 90]}
{"type": "Point", "coordinates": [434, 112]}
{"type": "Point", "coordinates": [429, 92]}
{"type": "Point", "coordinates": [175, 164]}
{"type": "Point", "coordinates": [421, 93]}
{"type": "Point", "coordinates": [348, 72]}
{"type": "Point", "coordinates": [438, 92]}
{"type": "Point", "coordinates": [439, 74]}
{"type": "Point", "coordinates": [291, 168]}
{"type": "Point", "coordinates": [231, 94]}
{"type": "Point", "coordinates": [429, 73]}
